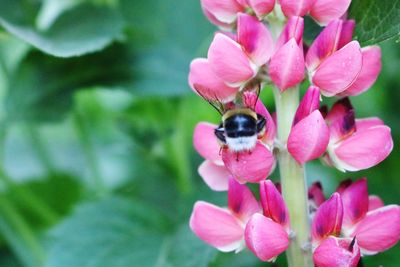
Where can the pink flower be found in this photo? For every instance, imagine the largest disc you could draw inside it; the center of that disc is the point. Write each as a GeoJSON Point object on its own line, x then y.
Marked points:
{"type": "Point", "coordinates": [338, 65]}
{"type": "Point", "coordinates": [309, 136]}
{"type": "Point", "coordinates": [355, 144]}
{"type": "Point", "coordinates": [329, 250]}
{"type": "Point", "coordinates": [324, 11]}
{"type": "Point", "coordinates": [377, 228]}
{"type": "Point", "coordinates": [223, 228]}
{"type": "Point", "coordinates": [286, 68]}
{"type": "Point", "coordinates": [295, 7]}
{"type": "Point", "coordinates": [267, 235]}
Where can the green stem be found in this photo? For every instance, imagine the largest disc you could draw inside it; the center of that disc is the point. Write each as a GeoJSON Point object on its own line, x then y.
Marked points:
{"type": "Point", "coordinates": [293, 180]}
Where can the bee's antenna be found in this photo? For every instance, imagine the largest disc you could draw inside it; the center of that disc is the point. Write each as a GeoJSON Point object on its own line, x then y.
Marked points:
{"type": "Point", "coordinates": [258, 96]}
{"type": "Point", "coordinates": [218, 108]}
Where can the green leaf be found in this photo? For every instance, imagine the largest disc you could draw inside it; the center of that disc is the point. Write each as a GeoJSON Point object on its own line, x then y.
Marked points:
{"type": "Point", "coordinates": [80, 30]}
{"type": "Point", "coordinates": [377, 20]}
{"type": "Point", "coordinates": [120, 232]}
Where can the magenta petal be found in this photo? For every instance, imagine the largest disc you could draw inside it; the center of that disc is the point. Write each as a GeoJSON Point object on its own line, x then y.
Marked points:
{"type": "Point", "coordinates": [241, 201]}
{"type": "Point", "coordinates": [340, 70]}
{"type": "Point", "coordinates": [308, 104]}
{"type": "Point", "coordinates": [287, 65]}
{"type": "Point", "coordinates": [265, 238]}
{"type": "Point", "coordinates": [262, 7]}
{"type": "Point", "coordinates": [216, 226]}
{"type": "Point", "coordinates": [379, 230]}
{"type": "Point", "coordinates": [328, 219]}
{"type": "Point", "coordinates": [255, 38]}
{"type": "Point", "coordinates": [223, 10]}
{"type": "Point", "coordinates": [249, 167]}
{"type": "Point", "coordinates": [370, 70]}
{"type": "Point", "coordinates": [365, 123]}
{"type": "Point", "coordinates": [206, 83]}
{"type": "Point", "coordinates": [355, 202]}
{"type": "Point", "coordinates": [295, 7]}
{"type": "Point", "coordinates": [274, 206]}
{"type": "Point", "coordinates": [309, 138]}
{"type": "Point", "coordinates": [215, 176]}
{"type": "Point", "coordinates": [293, 29]}
{"type": "Point", "coordinates": [346, 34]}
{"type": "Point", "coordinates": [374, 202]}
{"type": "Point", "coordinates": [337, 252]}
{"type": "Point", "coordinates": [206, 143]}
{"type": "Point", "coordinates": [364, 149]}
{"type": "Point", "coordinates": [316, 194]}
{"type": "Point", "coordinates": [229, 61]}
{"type": "Point", "coordinates": [326, 10]}
{"type": "Point", "coordinates": [341, 120]}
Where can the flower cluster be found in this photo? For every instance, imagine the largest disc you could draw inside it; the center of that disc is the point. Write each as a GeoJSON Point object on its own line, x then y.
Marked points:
{"type": "Point", "coordinates": [261, 43]}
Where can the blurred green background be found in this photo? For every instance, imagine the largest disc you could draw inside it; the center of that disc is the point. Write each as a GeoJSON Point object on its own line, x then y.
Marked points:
{"type": "Point", "coordinates": [96, 121]}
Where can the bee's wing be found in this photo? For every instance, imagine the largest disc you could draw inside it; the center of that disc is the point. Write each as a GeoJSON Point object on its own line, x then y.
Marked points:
{"type": "Point", "coordinates": [214, 101]}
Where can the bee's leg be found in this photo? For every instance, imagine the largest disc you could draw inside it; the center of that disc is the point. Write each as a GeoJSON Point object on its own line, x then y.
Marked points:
{"type": "Point", "coordinates": [237, 156]}
{"type": "Point", "coordinates": [220, 134]}
{"type": "Point", "coordinates": [261, 122]}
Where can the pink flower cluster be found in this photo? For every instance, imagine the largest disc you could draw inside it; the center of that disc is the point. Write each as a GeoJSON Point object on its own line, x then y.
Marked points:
{"type": "Point", "coordinates": [248, 54]}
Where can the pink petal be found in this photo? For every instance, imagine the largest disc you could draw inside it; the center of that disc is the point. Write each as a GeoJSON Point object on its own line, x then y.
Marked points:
{"type": "Point", "coordinates": [355, 202]}
{"type": "Point", "coordinates": [333, 37]}
{"type": "Point", "coordinates": [249, 167]}
{"type": "Point", "coordinates": [206, 83]}
{"type": "Point", "coordinates": [255, 38]}
{"type": "Point", "coordinates": [215, 176]}
{"type": "Point", "coordinates": [241, 201]}
{"type": "Point", "coordinates": [374, 202]}
{"type": "Point", "coordinates": [228, 60]}
{"type": "Point", "coordinates": [274, 206]}
{"type": "Point", "coordinates": [295, 7]}
{"type": "Point", "coordinates": [379, 230]}
{"type": "Point", "coordinates": [328, 219]}
{"type": "Point", "coordinates": [216, 226]}
{"type": "Point", "coordinates": [326, 10]}
{"type": "Point", "coordinates": [251, 100]}
{"type": "Point", "coordinates": [206, 143]}
{"type": "Point", "coordinates": [365, 123]}
{"type": "Point", "coordinates": [265, 238]}
{"type": "Point", "coordinates": [287, 66]}
{"type": "Point", "coordinates": [223, 10]}
{"type": "Point", "coordinates": [308, 104]}
{"type": "Point", "coordinates": [243, 3]}
{"type": "Point", "coordinates": [215, 21]}
{"type": "Point", "coordinates": [293, 29]}
{"type": "Point", "coordinates": [341, 120]}
{"type": "Point", "coordinates": [340, 70]}
{"type": "Point", "coordinates": [370, 70]}
{"type": "Point", "coordinates": [309, 138]}
{"type": "Point", "coordinates": [262, 7]}
{"type": "Point", "coordinates": [364, 149]}
{"type": "Point", "coordinates": [337, 252]}
{"type": "Point", "coordinates": [316, 194]}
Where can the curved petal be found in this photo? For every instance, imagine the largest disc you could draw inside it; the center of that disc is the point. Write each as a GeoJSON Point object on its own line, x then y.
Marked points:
{"type": "Point", "coordinates": [241, 201]}
{"type": "Point", "coordinates": [369, 72]}
{"type": "Point", "coordinates": [207, 84]}
{"type": "Point", "coordinates": [364, 149]}
{"type": "Point", "coordinates": [316, 194]}
{"type": "Point", "coordinates": [326, 10]}
{"type": "Point", "coordinates": [328, 219]}
{"type": "Point", "coordinates": [249, 167]}
{"type": "Point", "coordinates": [274, 206]}
{"type": "Point", "coordinates": [309, 138]}
{"type": "Point", "coordinates": [365, 123]}
{"type": "Point", "coordinates": [287, 65]}
{"type": "Point", "coordinates": [215, 21]}
{"type": "Point", "coordinates": [262, 7]}
{"type": "Point", "coordinates": [295, 7]}
{"type": "Point", "coordinates": [341, 120]}
{"type": "Point", "coordinates": [265, 238]}
{"type": "Point", "coordinates": [355, 202]}
{"type": "Point", "coordinates": [215, 176]}
{"type": "Point", "coordinates": [223, 10]}
{"type": "Point", "coordinates": [340, 70]}
{"type": "Point", "coordinates": [255, 38]}
{"type": "Point", "coordinates": [337, 252]}
{"type": "Point", "coordinates": [228, 60]}
{"type": "Point", "coordinates": [374, 202]}
{"type": "Point", "coordinates": [308, 104]}
{"type": "Point", "coordinates": [216, 226]}
{"type": "Point", "coordinates": [379, 230]}
{"type": "Point", "coordinates": [206, 143]}
{"type": "Point", "coordinates": [294, 28]}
